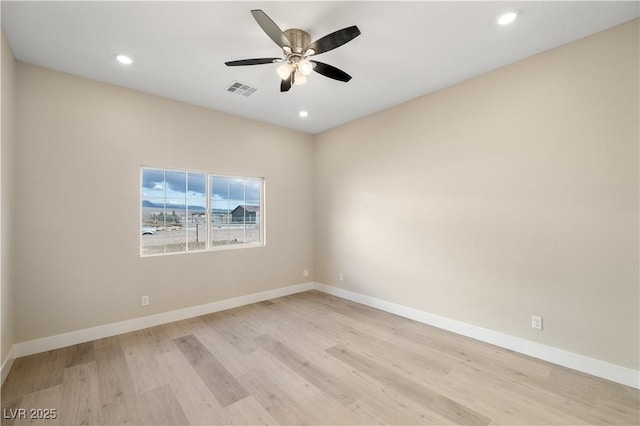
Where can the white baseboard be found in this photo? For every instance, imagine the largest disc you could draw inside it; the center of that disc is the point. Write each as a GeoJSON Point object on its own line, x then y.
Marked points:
{"type": "Point", "coordinates": [107, 330]}
{"type": "Point", "coordinates": [595, 367]}
{"type": "Point", "coordinates": [6, 365]}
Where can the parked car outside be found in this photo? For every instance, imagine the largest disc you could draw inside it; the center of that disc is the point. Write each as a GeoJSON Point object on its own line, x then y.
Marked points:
{"type": "Point", "coordinates": [148, 230]}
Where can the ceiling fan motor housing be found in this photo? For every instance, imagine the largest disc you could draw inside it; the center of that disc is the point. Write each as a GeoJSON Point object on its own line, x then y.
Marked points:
{"type": "Point", "coordinates": [299, 40]}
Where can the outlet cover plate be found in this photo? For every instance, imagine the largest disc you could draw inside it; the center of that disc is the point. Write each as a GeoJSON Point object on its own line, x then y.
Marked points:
{"type": "Point", "coordinates": [536, 322]}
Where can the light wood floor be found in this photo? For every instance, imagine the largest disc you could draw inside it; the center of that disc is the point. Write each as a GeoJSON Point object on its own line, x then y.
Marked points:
{"type": "Point", "coordinates": [309, 358]}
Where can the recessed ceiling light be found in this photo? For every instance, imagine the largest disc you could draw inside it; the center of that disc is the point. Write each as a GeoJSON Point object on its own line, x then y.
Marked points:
{"type": "Point", "coordinates": [303, 114]}
{"type": "Point", "coordinates": [124, 59]}
{"type": "Point", "coordinates": [507, 18]}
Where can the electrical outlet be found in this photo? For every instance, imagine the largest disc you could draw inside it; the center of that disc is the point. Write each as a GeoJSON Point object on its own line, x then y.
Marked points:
{"type": "Point", "coordinates": [145, 300]}
{"type": "Point", "coordinates": [305, 272]}
{"type": "Point", "coordinates": [536, 322]}
{"type": "Point", "coordinates": [341, 276]}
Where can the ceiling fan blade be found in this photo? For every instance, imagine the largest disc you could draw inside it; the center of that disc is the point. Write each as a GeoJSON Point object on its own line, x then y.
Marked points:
{"type": "Point", "coordinates": [270, 28]}
{"type": "Point", "coordinates": [330, 71]}
{"type": "Point", "coordinates": [258, 61]}
{"type": "Point", "coordinates": [335, 39]}
{"type": "Point", "coordinates": [285, 85]}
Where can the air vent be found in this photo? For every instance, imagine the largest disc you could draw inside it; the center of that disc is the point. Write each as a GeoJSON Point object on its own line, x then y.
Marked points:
{"type": "Point", "coordinates": [241, 89]}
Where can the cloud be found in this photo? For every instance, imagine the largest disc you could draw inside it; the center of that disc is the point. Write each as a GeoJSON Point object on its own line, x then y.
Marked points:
{"type": "Point", "coordinates": [175, 181]}
{"type": "Point", "coordinates": [151, 178]}
{"type": "Point", "coordinates": [222, 188]}
{"type": "Point", "coordinates": [198, 183]}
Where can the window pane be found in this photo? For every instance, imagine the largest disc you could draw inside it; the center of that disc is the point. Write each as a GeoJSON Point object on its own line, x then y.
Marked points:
{"type": "Point", "coordinates": [253, 210]}
{"type": "Point", "coordinates": [236, 205]}
{"type": "Point", "coordinates": [175, 229]}
{"type": "Point", "coordinates": [175, 211]}
{"type": "Point", "coordinates": [153, 183]}
{"type": "Point", "coordinates": [220, 217]}
{"type": "Point", "coordinates": [252, 221]}
{"type": "Point", "coordinates": [197, 235]}
{"type": "Point", "coordinates": [197, 191]}
{"type": "Point", "coordinates": [219, 234]}
{"type": "Point", "coordinates": [219, 211]}
{"type": "Point", "coordinates": [152, 225]}
{"type": "Point", "coordinates": [236, 192]}
{"type": "Point", "coordinates": [196, 211]}
{"type": "Point", "coordinates": [252, 233]}
{"type": "Point", "coordinates": [176, 184]}
{"type": "Point", "coordinates": [219, 188]}
{"type": "Point", "coordinates": [153, 192]}
{"type": "Point", "coordinates": [252, 189]}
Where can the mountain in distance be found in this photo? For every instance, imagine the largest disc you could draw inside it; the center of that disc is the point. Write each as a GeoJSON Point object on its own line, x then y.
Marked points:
{"type": "Point", "coordinates": [150, 205]}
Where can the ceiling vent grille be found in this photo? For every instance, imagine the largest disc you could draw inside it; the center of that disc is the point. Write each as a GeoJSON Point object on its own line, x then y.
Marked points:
{"type": "Point", "coordinates": [241, 89]}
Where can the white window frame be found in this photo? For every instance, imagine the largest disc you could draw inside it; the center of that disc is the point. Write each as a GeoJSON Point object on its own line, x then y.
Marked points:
{"type": "Point", "coordinates": [208, 209]}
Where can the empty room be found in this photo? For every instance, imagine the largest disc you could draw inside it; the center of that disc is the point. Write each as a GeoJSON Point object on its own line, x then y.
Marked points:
{"type": "Point", "coordinates": [316, 213]}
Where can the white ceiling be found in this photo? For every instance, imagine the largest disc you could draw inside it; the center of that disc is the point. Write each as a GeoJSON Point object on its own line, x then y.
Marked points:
{"type": "Point", "coordinates": [406, 49]}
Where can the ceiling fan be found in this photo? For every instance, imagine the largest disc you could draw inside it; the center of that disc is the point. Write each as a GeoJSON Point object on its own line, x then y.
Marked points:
{"type": "Point", "coordinates": [297, 48]}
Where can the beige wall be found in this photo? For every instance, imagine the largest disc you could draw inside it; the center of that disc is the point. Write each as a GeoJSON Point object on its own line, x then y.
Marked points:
{"type": "Point", "coordinates": [7, 194]}
{"type": "Point", "coordinates": [512, 194]}
{"type": "Point", "coordinates": [78, 185]}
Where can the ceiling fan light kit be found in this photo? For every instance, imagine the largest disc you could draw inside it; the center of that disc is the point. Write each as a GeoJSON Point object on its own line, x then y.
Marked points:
{"type": "Point", "coordinates": [297, 48]}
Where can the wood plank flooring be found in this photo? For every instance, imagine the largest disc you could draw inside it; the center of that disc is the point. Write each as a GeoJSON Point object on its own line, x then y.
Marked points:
{"type": "Point", "coordinates": [308, 358]}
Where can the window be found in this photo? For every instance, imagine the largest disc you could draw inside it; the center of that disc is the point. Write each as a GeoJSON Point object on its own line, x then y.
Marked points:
{"type": "Point", "coordinates": [186, 211]}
